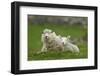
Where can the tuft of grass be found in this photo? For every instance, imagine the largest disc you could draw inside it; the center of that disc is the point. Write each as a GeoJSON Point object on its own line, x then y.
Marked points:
{"type": "Point", "coordinates": [35, 45]}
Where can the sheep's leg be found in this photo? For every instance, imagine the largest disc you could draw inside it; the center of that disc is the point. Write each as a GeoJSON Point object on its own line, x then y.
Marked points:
{"type": "Point", "coordinates": [63, 48]}
{"type": "Point", "coordinates": [44, 49]}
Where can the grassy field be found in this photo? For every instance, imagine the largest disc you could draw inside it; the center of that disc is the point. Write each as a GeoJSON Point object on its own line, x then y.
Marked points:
{"type": "Point", "coordinates": [35, 45]}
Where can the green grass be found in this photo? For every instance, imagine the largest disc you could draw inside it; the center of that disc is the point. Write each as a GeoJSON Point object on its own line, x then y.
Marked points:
{"type": "Point", "coordinates": [35, 45]}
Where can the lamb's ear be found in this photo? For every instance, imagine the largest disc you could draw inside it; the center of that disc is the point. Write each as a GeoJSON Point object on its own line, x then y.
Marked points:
{"type": "Point", "coordinates": [53, 33]}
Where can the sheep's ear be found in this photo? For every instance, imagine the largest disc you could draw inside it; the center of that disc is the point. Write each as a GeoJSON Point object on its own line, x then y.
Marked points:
{"type": "Point", "coordinates": [54, 33]}
{"type": "Point", "coordinates": [42, 37]}
{"type": "Point", "coordinates": [68, 37]}
{"type": "Point", "coordinates": [50, 31]}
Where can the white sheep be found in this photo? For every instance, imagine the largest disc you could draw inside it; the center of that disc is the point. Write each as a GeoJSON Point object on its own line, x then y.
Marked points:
{"type": "Point", "coordinates": [51, 41]}
{"type": "Point", "coordinates": [69, 46]}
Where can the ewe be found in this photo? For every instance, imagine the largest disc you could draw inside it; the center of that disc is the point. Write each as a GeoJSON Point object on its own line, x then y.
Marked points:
{"type": "Point", "coordinates": [51, 42]}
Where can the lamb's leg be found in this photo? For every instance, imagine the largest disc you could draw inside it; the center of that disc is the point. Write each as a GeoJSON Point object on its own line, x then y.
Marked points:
{"type": "Point", "coordinates": [76, 48]}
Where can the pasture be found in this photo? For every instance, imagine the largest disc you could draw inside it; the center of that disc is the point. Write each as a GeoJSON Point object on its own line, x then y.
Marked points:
{"type": "Point", "coordinates": [35, 45]}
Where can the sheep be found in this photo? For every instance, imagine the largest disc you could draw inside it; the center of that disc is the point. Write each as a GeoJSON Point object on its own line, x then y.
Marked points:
{"type": "Point", "coordinates": [51, 41]}
{"type": "Point", "coordinates": [69, 46]}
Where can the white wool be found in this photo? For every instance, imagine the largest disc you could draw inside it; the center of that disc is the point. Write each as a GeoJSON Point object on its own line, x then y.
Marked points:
{"type": "Point", "coordinates": [53, 41]}
{"type": "Point", "coordinates": [47, 30]}
{"type": "Point", "coordinates": [69, 46]}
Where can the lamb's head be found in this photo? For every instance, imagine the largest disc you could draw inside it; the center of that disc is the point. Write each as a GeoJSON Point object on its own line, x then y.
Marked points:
{"type": "Point", "coordinates": [65, 40]}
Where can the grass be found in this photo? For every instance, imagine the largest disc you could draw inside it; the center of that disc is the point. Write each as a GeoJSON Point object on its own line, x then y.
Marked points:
{"type": "Point", "coordinates": [35, 45]}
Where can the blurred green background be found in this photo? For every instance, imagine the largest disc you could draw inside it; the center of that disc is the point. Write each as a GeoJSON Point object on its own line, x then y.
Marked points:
{"type": "Point", "coordinates": [64, 26]}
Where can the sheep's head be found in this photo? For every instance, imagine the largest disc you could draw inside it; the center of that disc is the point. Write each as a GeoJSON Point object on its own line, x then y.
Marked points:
{"type": "Point", "coordinates": [48, 35]}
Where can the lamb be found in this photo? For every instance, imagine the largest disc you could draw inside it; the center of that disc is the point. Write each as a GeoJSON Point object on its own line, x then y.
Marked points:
{"type": "Point", "coordinates": [69, 46]}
